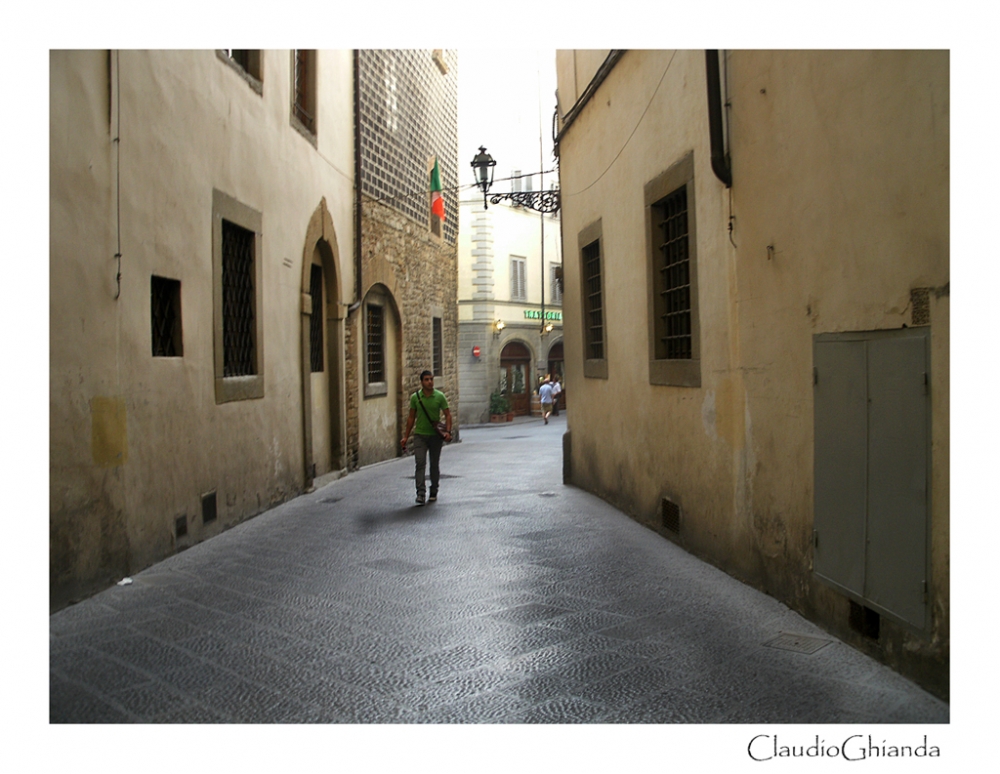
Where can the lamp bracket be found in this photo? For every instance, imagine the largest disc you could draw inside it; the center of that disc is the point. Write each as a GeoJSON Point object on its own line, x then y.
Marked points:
{"type": "Point", "coordinates": [539, 201]}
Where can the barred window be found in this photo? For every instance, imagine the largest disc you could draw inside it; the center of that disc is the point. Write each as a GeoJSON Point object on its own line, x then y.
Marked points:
{"type": "Point", "coordinates": [438, 346]}
{"type": "Point", "coordinates": [165, 308]}
{"type": "Point", "coordinates": [304, 89]}
{"type": "Point", "coordinates": [375, 338]}
{"type": "Point", "coordinates": [518, 279]}
{"type": "Point", "coordinates": [316, 319]}
{"type": "Point", "coordinates": [593, 305]}
{"type": "Point", "coordinates": [238, 301]}
{"type": "Point", "coordinates": [674, 278]}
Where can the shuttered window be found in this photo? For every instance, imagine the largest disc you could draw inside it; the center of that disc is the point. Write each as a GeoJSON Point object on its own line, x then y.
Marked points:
{"type": "Point", "coordinates": [518, 279]}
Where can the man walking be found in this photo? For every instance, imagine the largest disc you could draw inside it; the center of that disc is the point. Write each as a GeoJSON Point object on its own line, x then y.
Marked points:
{"type": "Point", "coordinates": [545, 397]}
{"type": "Point", "coordinates": [426, 407]}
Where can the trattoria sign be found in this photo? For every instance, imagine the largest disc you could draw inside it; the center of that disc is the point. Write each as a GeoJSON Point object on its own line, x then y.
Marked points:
{"type": "Point", "coordinates": [534, 314]}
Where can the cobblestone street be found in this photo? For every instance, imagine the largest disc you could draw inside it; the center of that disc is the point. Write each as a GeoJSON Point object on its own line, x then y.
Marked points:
{"type": "Point", "coordinates": [514, 599]}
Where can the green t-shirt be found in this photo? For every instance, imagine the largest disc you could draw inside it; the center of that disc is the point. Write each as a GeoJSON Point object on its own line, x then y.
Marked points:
{"type": "Point", "coordinates": [434, 404]}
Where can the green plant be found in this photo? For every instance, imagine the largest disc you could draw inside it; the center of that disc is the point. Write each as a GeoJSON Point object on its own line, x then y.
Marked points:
{"type": "Point", "coordinates": [499, 404]}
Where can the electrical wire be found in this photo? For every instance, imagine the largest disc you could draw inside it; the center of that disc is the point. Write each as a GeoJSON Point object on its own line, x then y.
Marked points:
{"type": "Point", "coordinates": [655, 91]}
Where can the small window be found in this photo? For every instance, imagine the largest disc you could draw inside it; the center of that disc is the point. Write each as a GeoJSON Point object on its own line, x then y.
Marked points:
{"type": "Point", "coordinates": [165, 306]}
{"type": "Point", "coordinates": [518, 279]}
{"type": "Point", "coordinates": [246, 62]}
{"type": "Point", "coordinates": [555, 283]}
{"type": "Point", "coordinates": [375, 343]}
{"type": "Point", "coordinates": [438, 346]}
{"type": "Point", "coordinates": [304, 89]}
{"type": "Point", "coordinates": [316, 319]}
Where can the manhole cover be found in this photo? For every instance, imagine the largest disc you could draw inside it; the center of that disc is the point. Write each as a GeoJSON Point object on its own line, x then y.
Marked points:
{"type": "Point", "coordinates": [797, 643]}
{"type": "Point", "coordinates": [514, 437]}
{"type": "Point", "coordinates": [546, 494]}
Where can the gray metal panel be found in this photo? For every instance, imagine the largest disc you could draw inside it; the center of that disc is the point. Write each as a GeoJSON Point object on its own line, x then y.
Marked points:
{"type": "Point", "coordinates": [897, 476]}
{"type": "Point", "coordinates": [841, 429]}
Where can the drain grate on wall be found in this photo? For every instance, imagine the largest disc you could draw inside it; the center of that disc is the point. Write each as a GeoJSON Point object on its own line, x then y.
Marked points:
{"type": "Point", "coordinates": [671, 516]}
{"type": "Point", "coordinates": [797, 643]}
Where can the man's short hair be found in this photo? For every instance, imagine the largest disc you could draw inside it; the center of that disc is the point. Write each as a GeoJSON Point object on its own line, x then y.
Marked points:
{"type": "Point", "coordinates": [425, 373]}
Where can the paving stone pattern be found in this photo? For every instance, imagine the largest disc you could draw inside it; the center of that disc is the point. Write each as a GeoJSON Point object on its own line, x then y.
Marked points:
{"type": "Point", "coordinates": [513, 599]}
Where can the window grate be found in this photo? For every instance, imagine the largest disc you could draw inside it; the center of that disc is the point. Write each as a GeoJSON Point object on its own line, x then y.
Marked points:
{"type": "Point", "coordinates": [304, 109]}
{"type": "Point", "coordinates": [376, 344]}
{"type": "Point", "coordinates": [316, 320]}
{"type": "Point", "coordinates": [674, 334]}
{"type": "Point", "coordinates": [438, 347]}
{"type": "Point", "coordinates": [165, 308]}
{"type": "Point", "coordinates": [594, 313]}
{"type": "Point", "coordinates": [238, 313]}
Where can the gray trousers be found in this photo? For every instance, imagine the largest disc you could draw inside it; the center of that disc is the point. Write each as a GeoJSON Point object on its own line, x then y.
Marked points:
{"type": "Point", "coordinates": [421, 445]}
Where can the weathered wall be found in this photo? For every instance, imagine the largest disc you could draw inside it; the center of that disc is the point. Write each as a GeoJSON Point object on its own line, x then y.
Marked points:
{"type": "Point", "coordinates": [839, 210]}
{"type": "Point", "coordinates": [137, 440]}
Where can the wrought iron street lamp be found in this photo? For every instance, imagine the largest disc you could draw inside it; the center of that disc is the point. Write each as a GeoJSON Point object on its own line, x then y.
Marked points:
{"type": "Point", "coordinates": [539, 201]}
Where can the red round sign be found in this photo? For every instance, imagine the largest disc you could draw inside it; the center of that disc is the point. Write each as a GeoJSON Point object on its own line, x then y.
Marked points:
{"type": "Point", "coordinates": [475, 351]}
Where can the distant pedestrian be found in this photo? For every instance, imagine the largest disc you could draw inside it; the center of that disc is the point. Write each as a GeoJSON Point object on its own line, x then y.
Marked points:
{"type": "Point", "coordinates": [426, 407]}
{"type": "Point", "coordinates": [545, 396]}
{"type": "Point", "coordinates": [556, 389]}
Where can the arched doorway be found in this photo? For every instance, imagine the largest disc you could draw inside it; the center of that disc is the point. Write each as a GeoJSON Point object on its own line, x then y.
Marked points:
{"type": "Point", "coordinates": [515, 377]}
{"type": "Point", "coordinates": [556, 360]}
{"type": "Point", "coordinates": [322, 350]}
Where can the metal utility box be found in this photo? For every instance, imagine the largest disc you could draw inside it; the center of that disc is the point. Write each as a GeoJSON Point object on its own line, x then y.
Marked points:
{"type": "Point", "coordinates": [872, 468]}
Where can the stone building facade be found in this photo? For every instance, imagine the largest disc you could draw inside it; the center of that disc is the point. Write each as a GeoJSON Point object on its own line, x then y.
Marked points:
{"type": "Point", "coordinates": [508, 296]}
{"type": "Point", "coordinates": [407, 120]}
{"type": "Point", "coordinates": [215, 276]}
{"type": "Point", "coordinates": [200, 201]}
{"type": "Point", "coordinates": [761, 280]}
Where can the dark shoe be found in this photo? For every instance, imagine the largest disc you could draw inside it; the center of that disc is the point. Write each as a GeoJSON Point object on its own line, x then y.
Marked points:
{"type": "Point", "coordinates": [420, 499]}
{"type": "Point", "coordinates": [433, 498]}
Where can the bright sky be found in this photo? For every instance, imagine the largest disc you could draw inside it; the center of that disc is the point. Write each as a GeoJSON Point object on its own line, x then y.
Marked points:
{"type": "Point", "coordinates": [506, 98]}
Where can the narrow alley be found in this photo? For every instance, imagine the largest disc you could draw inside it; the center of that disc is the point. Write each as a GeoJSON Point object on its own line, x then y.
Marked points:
{"type": "Point", "coordinates": [513, 599]}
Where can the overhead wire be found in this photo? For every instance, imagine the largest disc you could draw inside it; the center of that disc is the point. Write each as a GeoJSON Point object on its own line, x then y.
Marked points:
{"type": "Point", "coordinates": [634, 129]}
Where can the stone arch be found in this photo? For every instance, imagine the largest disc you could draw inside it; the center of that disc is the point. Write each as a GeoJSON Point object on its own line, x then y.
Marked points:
{"type": "Point", "coordinates": [321, 245]}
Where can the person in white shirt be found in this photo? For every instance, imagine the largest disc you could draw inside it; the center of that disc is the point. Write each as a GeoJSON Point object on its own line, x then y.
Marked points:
{"type": "Point", "coordinates": [556, 389]}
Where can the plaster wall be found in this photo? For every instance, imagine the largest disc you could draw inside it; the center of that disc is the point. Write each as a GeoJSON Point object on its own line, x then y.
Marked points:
{"type": "Point", "coordinates": [137, 440]}
{"type": "Point", "coordinates": [686, 443]}
{"type": "Point", "coordinates": [839, 209]}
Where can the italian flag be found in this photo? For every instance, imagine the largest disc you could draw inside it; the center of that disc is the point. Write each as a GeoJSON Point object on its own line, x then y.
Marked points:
{"type": "Point", "coordinates": [437, 200]}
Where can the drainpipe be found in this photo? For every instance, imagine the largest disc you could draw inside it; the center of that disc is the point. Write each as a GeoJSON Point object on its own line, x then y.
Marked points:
{"type": "Point", "coordinates": [357, 185]}
{"type": "Point", "coordinates": [720, 162]}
